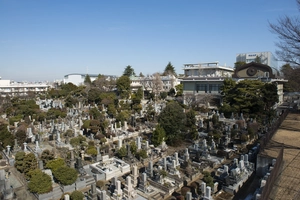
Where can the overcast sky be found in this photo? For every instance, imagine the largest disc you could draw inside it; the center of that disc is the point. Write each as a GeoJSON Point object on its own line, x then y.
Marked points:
{"type": "Point", "coordinates": [47, 39]}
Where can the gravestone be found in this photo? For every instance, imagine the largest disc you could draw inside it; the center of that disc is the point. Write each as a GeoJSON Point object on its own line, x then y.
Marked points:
{"type": "Point", "coordinates": [150, 168]}
{"type": "Point", "coordinates": [138, 142]}
{"type": "Point", "coordinates": [143, 183]}
{"type": "Point", "coordinates": [203, 188]}
{"type": "Point", "coordinates": [135, 175]}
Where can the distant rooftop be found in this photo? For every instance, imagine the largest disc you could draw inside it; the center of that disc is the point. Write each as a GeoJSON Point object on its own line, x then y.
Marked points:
{"type": "Point", "coordinates": [91, 75]}
{"type": "Point", "coordinates": [204, 65]}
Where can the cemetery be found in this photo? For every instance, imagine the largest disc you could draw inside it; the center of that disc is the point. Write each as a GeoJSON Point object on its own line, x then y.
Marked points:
{"type": "Point", "coordinates": [104, 147]}
{"type": "Point", "coordinates": [164, 174]}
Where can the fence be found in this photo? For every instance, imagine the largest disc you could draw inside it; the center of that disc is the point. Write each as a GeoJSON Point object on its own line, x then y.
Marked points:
{"type": "Point", "coordinates": [272, 178]}
{"type": "Point", "coordinates": [276, 169]}
{"type": "Point", "coordinates": [268, 136]}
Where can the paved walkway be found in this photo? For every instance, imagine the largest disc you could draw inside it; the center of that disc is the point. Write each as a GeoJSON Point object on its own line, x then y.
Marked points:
{"type": "Point", "coordinates": [287, 184]}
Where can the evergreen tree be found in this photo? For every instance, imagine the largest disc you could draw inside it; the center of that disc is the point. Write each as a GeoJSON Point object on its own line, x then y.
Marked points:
{"type": "Point", "coordinates": [123, 86]}
{"type": "Point", "coordinates": [19, 158]}
{"type": "Point", "coordinates": [29, 163]}
{"type": "Point", "coordinates": [133, 147]}
{"type": "Point", "coordinates": [158, 135]}
{"type": "Point", "coordinates": [87, 80]}
{"type": "Point", "coordinates": [169, 70]}
{"type": "Point", "coordinates": [248, 96]}
{"type": "Point", "coordinates": [191, 124]}
{"type": "Point", "coordinates": [55, 164]}
{"type": "Point", "coordinates": [76, 195]}
{"type": "Point", "coordinates": [122, 152]}
{"type": "Point", "coordinates": [46, 156]}
{"type": "Point", "coordinates": [129, 71]}
{"type": "Point", "coordinates": [292, 74]}
{"type": "Point", "coordinates": [172, 119]}
{"type": "Point", "coordinates": [179, 89]}
{"type": "Point", "coordinates": [5, 136]}
{"type": "Point", "coordinates": [65, 175]}
{"type": "Point", "coordinates": [40, 182]}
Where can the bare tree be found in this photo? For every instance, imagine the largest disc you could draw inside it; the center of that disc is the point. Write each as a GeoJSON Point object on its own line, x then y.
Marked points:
{"type": "Point", "coordinates": [189, 99]}
{"type": "Point", "coordinates": [104, 83]}
{"type": "Point", "coordinates": [157, 84]}
{"type": "Point", "coordinates": [288, 31]}
{"type": "Point", "coordinates": [205, 99]}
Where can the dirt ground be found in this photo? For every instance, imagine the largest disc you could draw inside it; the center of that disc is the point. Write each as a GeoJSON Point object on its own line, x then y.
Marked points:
{"type": "Point", "coordinates": [287, 184]}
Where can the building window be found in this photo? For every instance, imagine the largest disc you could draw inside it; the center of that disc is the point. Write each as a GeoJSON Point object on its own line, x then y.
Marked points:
{"type": "Point", "coordinates": [201, 88]}
{"type": "Point", "coordinates": [214, 87]}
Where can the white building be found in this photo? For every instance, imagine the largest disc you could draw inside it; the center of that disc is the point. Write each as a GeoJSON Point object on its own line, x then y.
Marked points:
{"type": "Point", "coordinates": [266, 58]}
{"type": "Point", "coordinates": [109, 168]}
{"type": "Point", "coordinates": [11, 88]}
{"type": "Point", "coordinates": [147, 82]}
{"type": "Point", "coordinates": [204, 79]}
{"type": "Point", "coordinates": [78, 79]}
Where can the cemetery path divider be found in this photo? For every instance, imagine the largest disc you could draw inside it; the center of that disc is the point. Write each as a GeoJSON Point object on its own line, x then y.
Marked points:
{"type": "Point", "coordinates": [273, 176]}
{"type": "Point", "coordinates": [268, 136]}
{"type": "Point", "coordinates": [277, 167]}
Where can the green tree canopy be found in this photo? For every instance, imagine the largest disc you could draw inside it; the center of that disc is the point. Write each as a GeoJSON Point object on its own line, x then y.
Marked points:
{"type": "Point", "coordinates": [46, 156]}
{"type": "Point", "coordinates": [77, 142]}
{"type": "Point", "coordinates": [95, 113]}
{"type": "Point", "coordinates": [69, 87]}
{"type": "Point", "coordinates": [133, 147]}
{"type": "Point", "coordinates": [122, 152]}
{"type": "Point", "coordinates": [94, 95]}
{"type": "Point", "coordinates": [29, 163]}
{"type": "Point", "coordinates": [54, 113]}
{"type": "Point", "coordinates": [76, 195]}
{"type": "Point", "coordinates": [91, 150]}
{"type": "Point", "coordinates": [19, 158]}
{"type": "Point", "coordinates": [40, 182]}
{"type": "Point", "coordinates": [65, 175]}
{"type": "Point", "coordinates": [252, 97]}
{"type": "Point", "coordinates": [292, 74]}
{"type": "Point", "coordinates": [179, 89]}
{"type": "Point", "coordinates": [20, 135]}
{"type": "Point", "coordinates": [129, 71]}
{"type": "Point", "coordinates": [158, 135]}
{"type": "Point", "coordinates": [191, 124]}
{"type": "Point", "coordinates": [169, 70]}
{"type": "Point", "coordinates": [123, 86]}
{"type": "Point", "coordinates": [163, 173]}
{"type": "Point", "coordinates": [208, 179]}
{"type": "Point", "coordinates": [87, 80]}
{"type": "Point", "coordinates": [142, 154]}
{"type": "Point", "coordinates": [55, 164]}
{"type": "Point", "coordinates": [6, 137]}
{"type": "Point", "coordinates": [70, 101]}
{"type": "Point", "coordinates": [172, 119]}
{"type": "Point", "coordinates": [108, 98]}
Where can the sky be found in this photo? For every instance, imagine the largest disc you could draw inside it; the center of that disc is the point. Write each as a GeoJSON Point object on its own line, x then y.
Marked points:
{"type": "Point", "coordinates": [48, 39]}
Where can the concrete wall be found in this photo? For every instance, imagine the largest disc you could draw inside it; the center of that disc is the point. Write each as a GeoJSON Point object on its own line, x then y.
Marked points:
{"type": "Point", "coordinates": [262, 165]}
